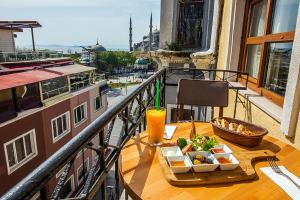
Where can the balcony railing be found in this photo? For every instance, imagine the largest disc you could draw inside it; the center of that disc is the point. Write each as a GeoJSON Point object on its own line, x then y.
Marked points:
{"type": "Point", "coordinates": [29, 55]}
{"type": "Point", "coordinates": [130, 112]}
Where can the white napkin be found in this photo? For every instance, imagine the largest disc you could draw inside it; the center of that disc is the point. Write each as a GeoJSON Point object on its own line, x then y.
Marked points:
{"type": "Point", "coordinates": [169, 131]}
{"type": "Point", "coordinates": [284, 182]}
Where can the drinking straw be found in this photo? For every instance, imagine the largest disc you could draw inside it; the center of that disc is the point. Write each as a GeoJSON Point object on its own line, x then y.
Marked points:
{"type": "Point", "coordinates": [157, 95]}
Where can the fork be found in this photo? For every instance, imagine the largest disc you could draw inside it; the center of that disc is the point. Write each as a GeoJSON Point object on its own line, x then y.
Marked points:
{"type": "Point", "coordinates": [276, 169]}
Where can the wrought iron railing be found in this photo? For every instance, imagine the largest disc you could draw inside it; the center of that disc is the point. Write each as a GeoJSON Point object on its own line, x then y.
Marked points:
{"type": "Point", "coordinates": [130, 113]}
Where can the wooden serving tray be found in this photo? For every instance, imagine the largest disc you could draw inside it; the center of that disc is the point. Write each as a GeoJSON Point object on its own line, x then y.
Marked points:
{"type": "Point", "coordinates": [244, 171]}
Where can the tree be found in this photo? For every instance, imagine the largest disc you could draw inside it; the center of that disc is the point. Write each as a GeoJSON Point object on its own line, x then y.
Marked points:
{"type": "Point", "coordinates": [75, 57]}
{"type": "Point", "coordinates": [108, 61]}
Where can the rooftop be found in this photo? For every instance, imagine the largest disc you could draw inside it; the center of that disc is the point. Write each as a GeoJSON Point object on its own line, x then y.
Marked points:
{"type": "Point", "coordinates": [19, 24]}
{"type": "Point", "coordinates": [28, 77]}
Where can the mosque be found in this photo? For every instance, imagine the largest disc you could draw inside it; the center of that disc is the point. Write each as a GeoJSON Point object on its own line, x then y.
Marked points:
{"type": "Point", "coordinates": [150, 42]}
{"type": "Point", "coordinates": [89, 52]}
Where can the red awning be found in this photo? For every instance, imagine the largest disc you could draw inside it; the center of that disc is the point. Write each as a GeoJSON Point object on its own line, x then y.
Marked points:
{"type": "Point", "coordinates": [24, 78]}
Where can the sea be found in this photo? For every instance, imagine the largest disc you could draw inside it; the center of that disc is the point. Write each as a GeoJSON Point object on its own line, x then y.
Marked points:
{"type": "Point", "coordinates": [67, 49]}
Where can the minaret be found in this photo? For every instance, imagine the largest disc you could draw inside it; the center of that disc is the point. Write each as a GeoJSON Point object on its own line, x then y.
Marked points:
{"type": "Point", "coordinates": [130, 35]}
{"type": "Point", "coordinates": [150, 34]}
{"type": "Point", "coordinates": [97, 41]}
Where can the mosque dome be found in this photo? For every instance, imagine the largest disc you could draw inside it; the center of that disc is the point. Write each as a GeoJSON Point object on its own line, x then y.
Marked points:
{"type": "Point", "coordinates": [141, 61]}
{"type": "Point", "coordinates": [97, 47]}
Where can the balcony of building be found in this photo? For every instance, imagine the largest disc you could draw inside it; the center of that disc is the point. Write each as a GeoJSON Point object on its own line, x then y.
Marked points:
{"type": "Point", "coordinates": [26, 55]}
{"type": "Point", "coordinates": [114, 128]}
{"type": "Point", "coordinates": [28, 88]}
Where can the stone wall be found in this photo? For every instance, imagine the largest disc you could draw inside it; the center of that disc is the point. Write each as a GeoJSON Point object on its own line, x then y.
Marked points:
{"type": "Point", "coordinates": [167, 22]}
{"type": "Point", "coordinates": [191, 58]}
{"type": "Point", "coordinates": [172, 58]}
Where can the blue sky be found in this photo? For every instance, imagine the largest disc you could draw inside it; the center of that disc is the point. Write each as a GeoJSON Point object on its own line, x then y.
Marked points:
{"type": "Point", "coordinates": [80, 22]}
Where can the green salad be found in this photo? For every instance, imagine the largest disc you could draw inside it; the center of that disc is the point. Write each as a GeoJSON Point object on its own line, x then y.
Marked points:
{"type": "Point", "coordinates": [199, 143]}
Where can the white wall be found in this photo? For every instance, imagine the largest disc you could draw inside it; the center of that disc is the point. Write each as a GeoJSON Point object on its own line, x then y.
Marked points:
{"type": "Point", "coordinates": [7, 43]}
{"type": "Point", "coordinates": [291, 105]}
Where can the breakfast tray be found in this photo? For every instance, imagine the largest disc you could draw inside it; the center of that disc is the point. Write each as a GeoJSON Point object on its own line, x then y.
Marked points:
{"type": "Point", "coordinates": [244, 171]}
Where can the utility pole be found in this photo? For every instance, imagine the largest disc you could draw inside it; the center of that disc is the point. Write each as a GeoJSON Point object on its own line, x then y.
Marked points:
{"type": "Point", "coordinates": [130, 35]}
{"type": "Point", "coordinates": [150, 34]}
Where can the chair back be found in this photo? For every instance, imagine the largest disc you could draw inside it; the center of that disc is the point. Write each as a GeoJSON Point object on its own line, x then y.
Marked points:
{"type": "Point", "coordinates": [202, 93]}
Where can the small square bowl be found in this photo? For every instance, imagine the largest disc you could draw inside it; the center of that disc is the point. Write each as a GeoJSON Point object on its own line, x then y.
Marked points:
{"type": "Point", "coordinates": [171, 151]}
{"type": "Point", "coordinates": [228, 166]}
{"type": "Point", "coordinates": [180, 169]}
{"type": "Point", "coordinates": [203, 167]}
{"type": "Point", "coordinates": [223, 147]}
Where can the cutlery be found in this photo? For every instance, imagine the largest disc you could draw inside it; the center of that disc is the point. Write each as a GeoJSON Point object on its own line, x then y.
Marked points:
{"type": "Point", "coordinates": [276, 169]}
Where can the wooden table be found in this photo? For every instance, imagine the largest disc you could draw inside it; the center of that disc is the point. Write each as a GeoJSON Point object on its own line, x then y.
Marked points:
{"type": "Point", "coordinates": [142, 175]}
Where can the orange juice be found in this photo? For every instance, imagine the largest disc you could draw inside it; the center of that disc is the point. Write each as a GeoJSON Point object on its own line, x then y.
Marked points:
{"type": "Point", "coordinates": [155, 125]}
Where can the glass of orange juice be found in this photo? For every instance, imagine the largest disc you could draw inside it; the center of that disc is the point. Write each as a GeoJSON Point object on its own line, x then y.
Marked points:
{"type": "Point", "coordinates": [155, 125]}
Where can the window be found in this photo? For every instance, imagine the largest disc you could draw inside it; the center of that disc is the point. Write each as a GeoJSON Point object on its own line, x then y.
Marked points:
{"type": "Point", "coordinates": [54, 87]}
{"type": "Point", "coordinates": [277, 67]}
{"type": "Point", "coordinates": [269, 29]}
{"type": "Point", "coordinates": [80, 80]}
{"type": "Point", "coordinates": [7, 106]}
{"type": "Point", "coordinates": [98, 103]}
{"type": "Point", "coordinates": [80, 114]}
{"type": "Point", "coordinates": [60, 126]}
{"type": "Point", "coordinates": [68, 188]}
{"type": "Point", "coordinates": [20, 150]}
{"type": "Point", "coordinates": [82, 170]}
{"type": "Point", "coordinates": [28, 96]}
{"type": "Point", "coordinates": [194, 24]}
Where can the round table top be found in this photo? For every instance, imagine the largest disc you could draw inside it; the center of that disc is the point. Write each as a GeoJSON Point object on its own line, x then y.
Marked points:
{"type": "Point", "coordinates": [143, 178]}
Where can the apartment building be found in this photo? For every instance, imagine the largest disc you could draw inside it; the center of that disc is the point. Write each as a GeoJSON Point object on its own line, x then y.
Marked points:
{"type": "Point", "coordinates": [43, 104]}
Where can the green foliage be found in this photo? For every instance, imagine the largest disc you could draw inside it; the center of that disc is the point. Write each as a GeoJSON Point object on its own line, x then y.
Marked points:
{"type": "Point", "coordinates": [75, 57]}
{"type": "Point", "coordinates": [181, 142]}
{"type": "Point", "coordinates": [209, 143]}
{"type": "Point", "coordinates": [173, 46]}
{"type": "Point", "coordinates": [205, 142]}
{"type": "Point", "coordinates": [109, 60]}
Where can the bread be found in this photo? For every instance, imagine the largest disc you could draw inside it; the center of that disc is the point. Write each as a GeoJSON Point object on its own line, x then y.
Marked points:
{"type": "Point", "coordinates": [224, 123]}
{"type": "Point", "coordinates": [240, 128]}
{"type": "Point", "coordinates": [232, 126]}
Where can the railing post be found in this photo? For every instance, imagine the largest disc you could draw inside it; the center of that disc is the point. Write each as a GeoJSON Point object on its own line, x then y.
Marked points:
{"type": "Point", "coordinates": [102, 163]}
{"type": "Point", "coordinates": [140, 112]}
{"type": "Point", "coordinates": [194, 73]}
{"type": "Point", "coordinates": [43, 193]}
{"type": "Point", "coordinates": [117, 179]}
{"type": "Point", "coordinates": [126, 122]}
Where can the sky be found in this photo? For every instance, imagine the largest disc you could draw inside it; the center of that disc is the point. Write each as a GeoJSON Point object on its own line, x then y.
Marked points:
{"type": "Point", "coordinates": [80, 22]}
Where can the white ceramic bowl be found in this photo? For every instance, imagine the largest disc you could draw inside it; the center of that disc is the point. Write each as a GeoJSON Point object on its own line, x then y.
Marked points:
{"type": "Point", "coordinates": [183, 169]}
{"type": "Point", "coordinates": [171, 151]}
{"type": "Point", "coordinates": [226, 149]}
{"type": "Point", "coordinates": [203, 167]}
{"type": "Point", "coordinates": [230, 166]}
